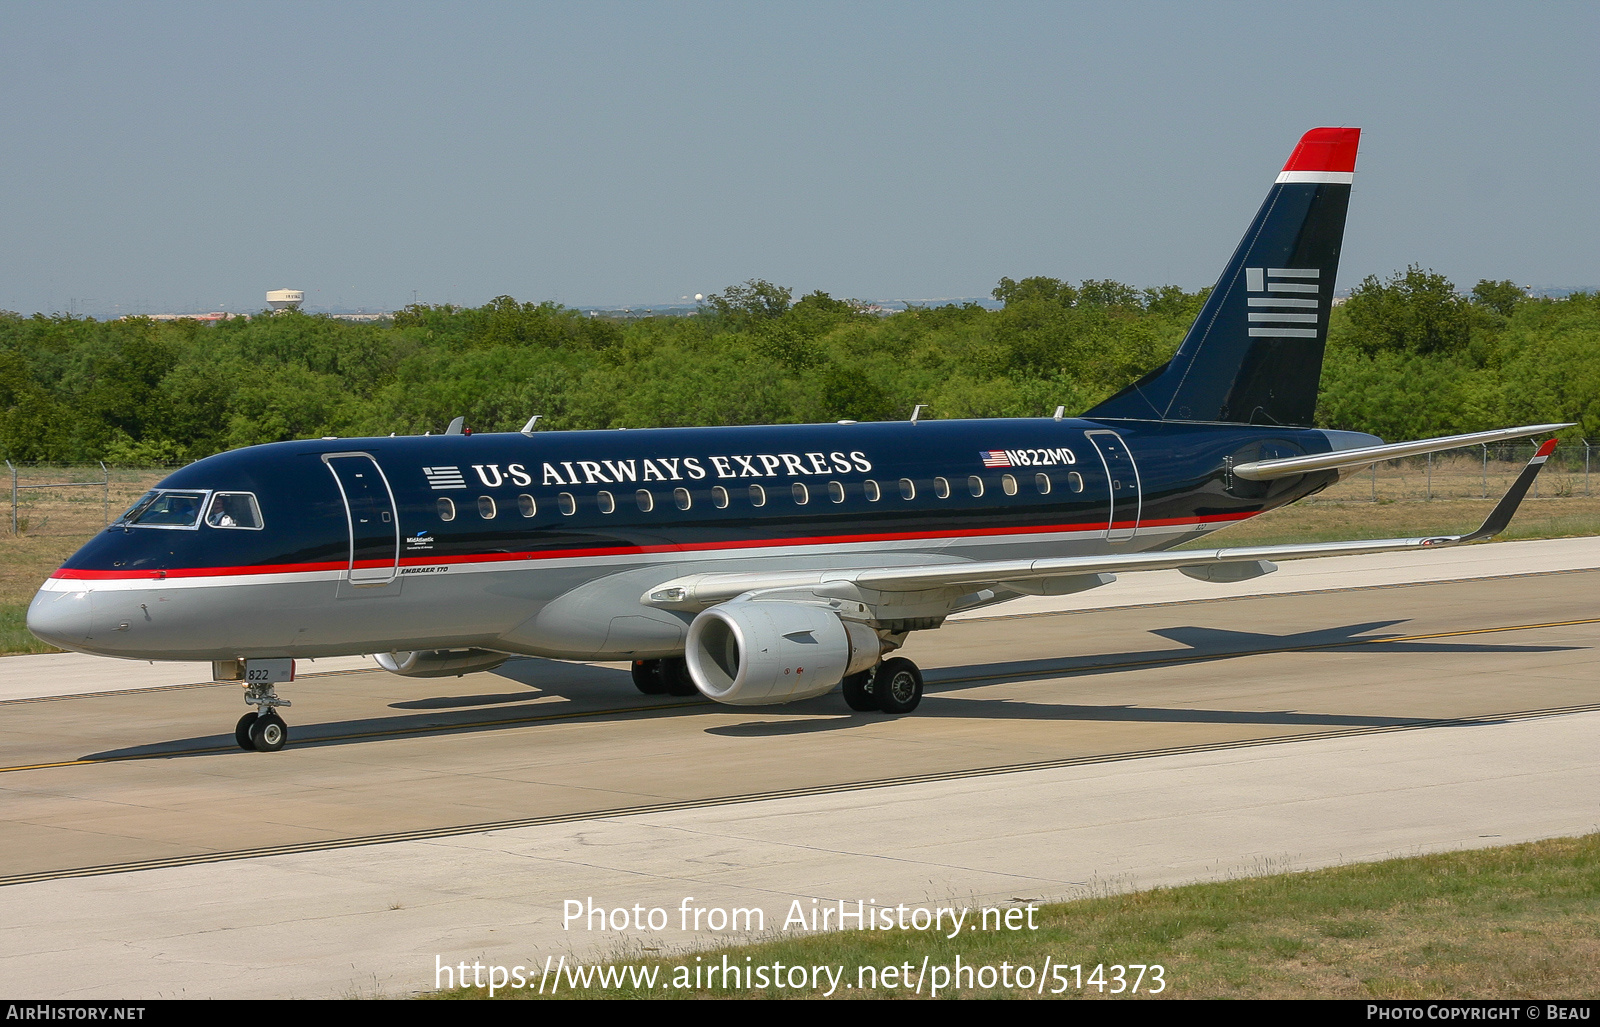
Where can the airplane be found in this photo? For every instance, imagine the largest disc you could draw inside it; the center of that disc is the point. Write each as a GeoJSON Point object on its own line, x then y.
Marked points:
{"type": "Point", "coordinates": [758, 564]}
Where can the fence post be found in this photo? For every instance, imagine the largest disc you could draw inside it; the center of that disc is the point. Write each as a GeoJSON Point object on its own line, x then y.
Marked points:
{"type": "Point", "coordinates": [105, 502]}
{"type": "Point", "coordinates": [1374, 482]}
{"type": "Point", "coordinates": [1430, 477]}
{"type": "Point", "coordinates": [1586, 467]}
{"type": "Point", "coordinates": [13, 469]}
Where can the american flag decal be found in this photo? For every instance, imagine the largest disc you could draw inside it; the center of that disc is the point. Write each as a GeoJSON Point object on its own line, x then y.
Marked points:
{"type": "Point", "coordinates": [995, 458]}
{"type": "Point", "coordinates": [445, 477]}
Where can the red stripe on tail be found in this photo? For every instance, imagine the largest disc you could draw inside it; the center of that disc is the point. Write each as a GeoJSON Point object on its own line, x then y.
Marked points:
{"type": "Point", "coordinates": [1325, 149]}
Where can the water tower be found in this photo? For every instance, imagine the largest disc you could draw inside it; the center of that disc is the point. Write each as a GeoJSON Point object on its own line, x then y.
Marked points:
{"type": "Point", "coordinates": [285, 299]}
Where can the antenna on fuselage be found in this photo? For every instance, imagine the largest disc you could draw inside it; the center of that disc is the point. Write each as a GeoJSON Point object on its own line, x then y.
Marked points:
{"type": "Point", "coordinates": [456, 426]}
{"type": "Point", "coordinates": [1060, 412]}
{"type": "Point", "coordinates": [916, 412]}
{"type": "Point", "coordinates": [527, 429]}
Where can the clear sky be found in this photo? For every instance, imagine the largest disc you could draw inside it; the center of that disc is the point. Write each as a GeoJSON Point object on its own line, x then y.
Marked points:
{"type": "Point", "coordinates": [183, 156]}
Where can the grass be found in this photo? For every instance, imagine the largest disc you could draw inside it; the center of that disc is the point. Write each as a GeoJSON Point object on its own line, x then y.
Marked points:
{"type": "Point", "coordinates": [1509, 923]}
{"type": "Point", "coordinates": [1328, 521]}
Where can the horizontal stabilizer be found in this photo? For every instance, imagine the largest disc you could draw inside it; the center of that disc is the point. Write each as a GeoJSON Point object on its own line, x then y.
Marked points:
{"type": "Point", "coordinates": [1266, 470]}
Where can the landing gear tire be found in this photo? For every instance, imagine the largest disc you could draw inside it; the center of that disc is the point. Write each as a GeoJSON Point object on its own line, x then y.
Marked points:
{"type": "Point", "coordinates": [241, 733]}
{"type": "Point", "coordinates": [675, 674]}
{"type": "Point", "coordinates": [647, 677]}
{"type": "Point", "coordinates": [897, 686]}
{"type": "Point", "coordinates": [858, 692]}
{"type": "Point", "coordinates": [269, 733]}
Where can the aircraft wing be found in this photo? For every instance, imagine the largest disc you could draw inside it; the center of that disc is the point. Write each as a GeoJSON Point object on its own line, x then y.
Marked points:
{"type": "Point", "coordinates": [1062, 575]}
{"type": "Point", "coordinates": [1266, 470]}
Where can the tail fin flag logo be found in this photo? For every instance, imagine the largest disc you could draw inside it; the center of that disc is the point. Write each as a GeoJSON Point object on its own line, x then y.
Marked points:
{"type": "Point", "coordinates": [1288, 308]}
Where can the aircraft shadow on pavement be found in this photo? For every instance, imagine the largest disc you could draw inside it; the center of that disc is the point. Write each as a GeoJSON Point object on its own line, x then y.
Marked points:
{"type": "Point", "coordinates": [1204, 645]}
{"type": "Point", "coordinates": [607, 693]}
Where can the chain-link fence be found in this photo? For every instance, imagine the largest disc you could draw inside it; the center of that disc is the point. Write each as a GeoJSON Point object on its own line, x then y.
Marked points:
{"type": "Point", "coordinates": [1480, 472]}
{"type": "Point", "coordinates": [60, 501]}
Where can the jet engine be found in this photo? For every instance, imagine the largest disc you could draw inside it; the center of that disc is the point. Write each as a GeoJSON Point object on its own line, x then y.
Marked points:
{"type": "Point", "coordinates": [439, 663]}
{"type": "Point", "coordinates": [752, 653]}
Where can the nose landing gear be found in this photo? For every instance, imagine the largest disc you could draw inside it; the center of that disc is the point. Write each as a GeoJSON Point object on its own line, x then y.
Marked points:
{"type": "Point", "coordinates": [263, 731]}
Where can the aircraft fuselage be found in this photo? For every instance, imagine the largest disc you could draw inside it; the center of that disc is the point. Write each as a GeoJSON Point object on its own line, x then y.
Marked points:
{"type": "Point", "coordinates": [542, 544]}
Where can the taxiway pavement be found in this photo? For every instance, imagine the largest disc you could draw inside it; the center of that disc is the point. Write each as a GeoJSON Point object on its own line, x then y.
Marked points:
{"type": "Point", "coordinates": [1057, 754]}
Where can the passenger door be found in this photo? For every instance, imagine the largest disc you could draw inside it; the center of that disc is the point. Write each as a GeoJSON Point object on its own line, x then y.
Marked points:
{"type": "Point", "coordinates": [1122, 477]}
{"type": "Point", "coordinates": [370, 510]}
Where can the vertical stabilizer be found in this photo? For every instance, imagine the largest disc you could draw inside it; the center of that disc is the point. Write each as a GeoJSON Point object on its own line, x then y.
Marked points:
{"type": "Point", "coordinates": [1254, 355]}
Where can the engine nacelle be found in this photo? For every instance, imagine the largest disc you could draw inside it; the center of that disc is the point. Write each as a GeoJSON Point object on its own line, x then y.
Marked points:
{"type": "Point", "coordinates": [439, 663]}
{"type": "Point", "coordinates": [753, 653]}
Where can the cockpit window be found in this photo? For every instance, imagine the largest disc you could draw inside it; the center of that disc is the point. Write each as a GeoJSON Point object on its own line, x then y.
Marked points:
{"type": "Point", "coordinates": [168, 510]}
{"type": "Point", "coordinates": [234, 510]}
{"type": "Point", "coordinates": [138, 506]}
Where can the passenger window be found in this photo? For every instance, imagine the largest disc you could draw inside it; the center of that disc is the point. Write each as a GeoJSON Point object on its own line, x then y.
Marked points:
{"type": "Point", "coordinates": [719, 497]}
{"type": "Point", "coordinates": [1009, 483]}
{"type": "Point", "coordinates": [1075, 481]}
{"type": "Point", "coordinates": [646, 500]}
{"type": "Point", "coordinates": [941, 488]}
{"type": "Point", "coordinates": [608, 502]}
{"type": "Point", "coordinates": [908, 489]}
{"type": "Point", "coordinates": [234, 510]}
{"type": "Point", "coordinates": [526, 506]}
{"type": "Point", "coordinates": [975, 485]}
{"type": "Point", "coordinates": [758, 496]}
{"type": "Point", "coordinates": [835, 492]}
{"type": "Point", "coordinates": [569, 506]}
{"type": "Point", "coordinates": [681, 497]}
{"type": "Point", "coordinates": [870, 487]}
{"type": "Point", "coordinates": [802, 495]}
{"type": "Point", "coordinates": [486, 508]}
{"type": "Point", "coordinates": [447, 510]}
{"type": "Point", "coordinates": [1041, 481]}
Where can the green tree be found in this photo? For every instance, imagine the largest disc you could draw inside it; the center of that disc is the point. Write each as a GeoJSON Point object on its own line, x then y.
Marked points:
{"type": "Point", "coordinates": [1501, 297]}
{"type": "Point", "coordinates": [1415, 311]}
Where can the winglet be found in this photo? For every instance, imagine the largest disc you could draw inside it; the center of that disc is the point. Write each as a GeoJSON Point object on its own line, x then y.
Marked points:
{"type": "Point", "coordinates": [1500, 517]}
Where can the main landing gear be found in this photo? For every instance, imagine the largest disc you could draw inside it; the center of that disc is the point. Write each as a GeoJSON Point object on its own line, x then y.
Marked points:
{"type": "Point", "coordinates": [664, 677]}
{"type": "Point", "coordinates": [893, 686]}
{"type": "Point", "coordinates": [263, 731]}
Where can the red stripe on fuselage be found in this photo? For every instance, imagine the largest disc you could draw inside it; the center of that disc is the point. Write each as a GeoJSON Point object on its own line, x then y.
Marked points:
{"type": "Point", "coordinates": [625, 550]}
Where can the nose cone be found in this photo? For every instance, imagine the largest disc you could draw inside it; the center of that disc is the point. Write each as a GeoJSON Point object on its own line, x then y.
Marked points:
{"type": "Point", "coordinates": [60, 618]}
